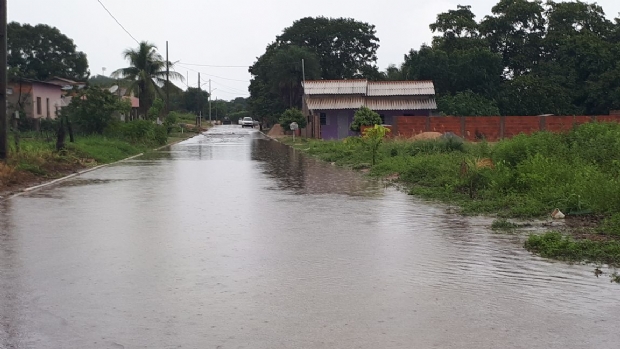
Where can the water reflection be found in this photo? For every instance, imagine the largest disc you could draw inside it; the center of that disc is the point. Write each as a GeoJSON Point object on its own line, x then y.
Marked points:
{"type": "Point", "coordinates": [235, 241]}
{"type": "Point", "coordinates": [305, 175]}
{"type": "Point", "coordinates": [10, 284]}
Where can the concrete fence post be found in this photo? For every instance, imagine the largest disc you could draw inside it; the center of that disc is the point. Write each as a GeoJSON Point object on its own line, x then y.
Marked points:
{"type": "Point", "coordinates": [502, 126]}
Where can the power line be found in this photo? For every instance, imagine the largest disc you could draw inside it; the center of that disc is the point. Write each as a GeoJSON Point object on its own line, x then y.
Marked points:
{"type": "Point", "coordinates": [215, 76]}
{"type": "Point", "coordinates": [239, 66]}
{"type": "Point", "coordinates": [230, 87]}
{"type": "Point", "coordinates": [217, 66]}
{"type": "Point", "coordinates": [233, 93]}
{"type": "Point", "coordinates": [119, 23]}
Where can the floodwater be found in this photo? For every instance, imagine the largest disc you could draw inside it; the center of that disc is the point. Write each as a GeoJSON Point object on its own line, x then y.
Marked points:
{"type": "Point", "coordinates": [229, 240]}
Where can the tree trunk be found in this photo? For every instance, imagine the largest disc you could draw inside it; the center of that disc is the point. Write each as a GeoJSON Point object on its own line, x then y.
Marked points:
{"type": "Point", "coordinates": [60, 137]}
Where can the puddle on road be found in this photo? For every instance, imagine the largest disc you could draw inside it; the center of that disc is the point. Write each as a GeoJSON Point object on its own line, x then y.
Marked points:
{"type": "Point", "coordinates": [243, 242]}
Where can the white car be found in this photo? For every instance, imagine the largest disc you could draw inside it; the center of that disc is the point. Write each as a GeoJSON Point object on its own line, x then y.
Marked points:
{"type": "Point", "coordinates": [247, 122]}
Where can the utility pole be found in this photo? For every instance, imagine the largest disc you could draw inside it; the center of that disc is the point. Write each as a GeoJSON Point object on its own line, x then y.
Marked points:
{"type": "Point", "coordinates": [199, 102]}
{"type": "Point", "coordinates": [167, 81]}
{"type": "Point", "coordinates": [209, 100]}
{"type": "Point", "coordinates": [4, 127]}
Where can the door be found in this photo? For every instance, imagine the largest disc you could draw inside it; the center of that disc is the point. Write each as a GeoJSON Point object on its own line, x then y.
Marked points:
{"type": "Point", "coordinates": [343, 125]}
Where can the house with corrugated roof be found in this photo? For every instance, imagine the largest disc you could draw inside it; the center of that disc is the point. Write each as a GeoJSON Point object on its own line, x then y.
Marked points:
{"type": "Point", "coordinates": [34, 99]}
{"type": "Point", "coordinates": [331, 104]}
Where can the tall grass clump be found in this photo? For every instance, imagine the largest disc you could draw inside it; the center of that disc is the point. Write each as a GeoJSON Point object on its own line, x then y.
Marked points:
{"type": "Point", "coordinates": [557, 246]}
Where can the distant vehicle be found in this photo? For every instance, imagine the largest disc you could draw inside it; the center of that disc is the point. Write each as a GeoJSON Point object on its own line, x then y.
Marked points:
{"type": "Point", "coordinates": [247, 122]}
{"type": "Point", "coordinates": [226, 121]}
{"type": "Point", "coordinates": [240, 121]}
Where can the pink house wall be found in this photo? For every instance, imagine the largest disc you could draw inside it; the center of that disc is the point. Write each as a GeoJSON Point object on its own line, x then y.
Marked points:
{"type": "Point", "coordinates": [50, 96]}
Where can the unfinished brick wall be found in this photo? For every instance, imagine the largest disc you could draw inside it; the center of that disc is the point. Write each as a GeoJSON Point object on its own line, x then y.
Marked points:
{"type": "Point", "coordinates": [491, 128]}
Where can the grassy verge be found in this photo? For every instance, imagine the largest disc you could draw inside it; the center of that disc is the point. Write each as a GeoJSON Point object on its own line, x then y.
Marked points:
{"type": "Point", "coordinates": [558, 246]}
{"type": "Point", "coordinates": [37, 159]}
{"type": "Point", "coordinates": [577, 172]}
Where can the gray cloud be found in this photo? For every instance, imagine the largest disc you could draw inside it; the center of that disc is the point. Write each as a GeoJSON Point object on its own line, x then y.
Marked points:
{"type": "Point", "coordinates": [232, 32]}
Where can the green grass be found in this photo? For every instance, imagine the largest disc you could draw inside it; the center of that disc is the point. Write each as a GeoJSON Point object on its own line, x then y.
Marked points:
{"type": "Point", "coordinates": [104, 150]}
{"type": "Point", "coordinates": [557, 246]}
{"type": "Point", "coordinates": [503, 224]}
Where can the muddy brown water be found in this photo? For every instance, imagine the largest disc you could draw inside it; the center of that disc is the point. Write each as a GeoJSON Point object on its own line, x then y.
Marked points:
{"type": "Point", "coordinates": [229, 240]}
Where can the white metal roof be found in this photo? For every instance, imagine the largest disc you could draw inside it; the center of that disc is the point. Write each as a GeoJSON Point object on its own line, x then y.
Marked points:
{"type": "Point", "coordinates": [401, 104]}
{"type": "Point", "coordinates": [400, 88]}
{"type": "Point", "coordinates": [329, 103]}
{"type": "Point", "coordinates": [323, 103]}
{"type": "Point", "coordinates": [335, 87]}
{"type": "Point", "coordinates": [369, 88]}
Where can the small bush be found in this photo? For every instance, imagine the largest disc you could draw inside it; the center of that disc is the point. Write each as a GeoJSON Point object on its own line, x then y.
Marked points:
{"type": "Point", "coordinates": [290, 116]}
{"type": "Point", "coordinates": [365, 117]}
{"type": "Point", "coordinates": [139, 132]}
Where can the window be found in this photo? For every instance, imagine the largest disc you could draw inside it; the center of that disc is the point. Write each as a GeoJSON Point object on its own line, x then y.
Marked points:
{"type": "Point", "coordinates": [48, 107]}
{"type": "Point", "coordinates": [323, 117]}
{"type": "Point", "coordinates": [382, 118]}
{"type": "Point", "coordinates": [38, 105]}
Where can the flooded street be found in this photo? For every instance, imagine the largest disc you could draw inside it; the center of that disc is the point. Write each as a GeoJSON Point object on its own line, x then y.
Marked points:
{"type": "Point", "coordinates": [229, 240]}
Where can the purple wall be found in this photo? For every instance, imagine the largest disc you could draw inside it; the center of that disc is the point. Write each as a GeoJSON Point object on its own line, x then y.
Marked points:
{"type": "Point", "coordinates": [339, 121]}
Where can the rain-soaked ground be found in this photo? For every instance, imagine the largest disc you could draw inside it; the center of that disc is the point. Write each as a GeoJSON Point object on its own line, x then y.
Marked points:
{"type": "Point", "coordinates": [229, 240]}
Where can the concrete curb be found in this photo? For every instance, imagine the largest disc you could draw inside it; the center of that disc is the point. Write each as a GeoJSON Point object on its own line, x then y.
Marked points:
{"type": "Point", "coordinates": [62, 179]}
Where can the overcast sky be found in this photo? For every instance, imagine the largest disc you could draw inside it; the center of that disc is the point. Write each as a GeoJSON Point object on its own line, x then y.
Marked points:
{"type": "Point", "coordinates": [230, 33]}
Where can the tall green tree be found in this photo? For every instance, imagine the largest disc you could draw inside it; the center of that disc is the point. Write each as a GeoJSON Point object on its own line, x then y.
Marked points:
{"type": "Point", "coordinates": [196, 100]}
{"type": "Point", "coordinates": [147, 72]}
{"type": "Point", "coordinates": [345, 47]}
{"type": "Point", "coordinates": [467, 103]}
{"type": "Point", "coordinates": [41, 52]}
{"type": "Point", "coordinates": [277, 80]}
{"type": "Point", "coordinates": [516, 30]}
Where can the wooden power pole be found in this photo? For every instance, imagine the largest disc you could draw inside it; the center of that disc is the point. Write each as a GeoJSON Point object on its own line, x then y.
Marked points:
{"type": "Point", "coordinates": [4, 125]}
{"type": "Point", "coordinates": [167, 81]}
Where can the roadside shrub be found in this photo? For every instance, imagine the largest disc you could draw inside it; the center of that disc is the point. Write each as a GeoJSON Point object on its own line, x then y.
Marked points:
{"type": "Point", "coordinates": [365, 117]}
{"type": "Point", "coordinates": [521, 147]}
{"type": "Point", "coordinates": [139, 132]}
{"type": "Point", "coordinates": [435, 146]}
{"type": "Point", "coordinates": [93, 110]}
{"type": "Point", "coordinates": [170, 121]}
{"type": "Point", "coordinates": [292, 115]}
{"type": "Point", "coordinates": [611, 225]}
{"type": "Point", "coordinates": [433, 170]}
{"type": "Point", "coordinates": [161, 135]}
{"type": "Point", "coordinates": [598, 143]}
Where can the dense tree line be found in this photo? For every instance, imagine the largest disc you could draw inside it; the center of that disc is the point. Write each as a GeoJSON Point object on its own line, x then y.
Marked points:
{"type": "Point", "coordinates": [526, 58]}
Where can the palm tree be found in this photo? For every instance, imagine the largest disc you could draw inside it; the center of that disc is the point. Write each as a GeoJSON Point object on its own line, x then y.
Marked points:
{"type": "Point", "coordinates": [147, 72]}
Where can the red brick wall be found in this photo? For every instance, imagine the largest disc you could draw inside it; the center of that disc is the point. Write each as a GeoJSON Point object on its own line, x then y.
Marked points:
{"type": "Point", "coordinates": [477, 128]}
{"type": "Point", "coordinates": [491, 128]}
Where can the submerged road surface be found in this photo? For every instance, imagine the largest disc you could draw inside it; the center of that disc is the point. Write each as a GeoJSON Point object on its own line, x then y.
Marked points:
{"type": "Point", "coordinates": [229, 240]}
